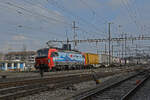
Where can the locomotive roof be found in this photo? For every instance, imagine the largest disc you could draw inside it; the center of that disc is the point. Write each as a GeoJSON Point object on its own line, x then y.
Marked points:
{"type": "Point", "coordinates": [60, 49]}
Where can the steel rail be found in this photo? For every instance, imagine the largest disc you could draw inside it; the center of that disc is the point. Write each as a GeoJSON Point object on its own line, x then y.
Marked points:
{"type": "Point", "coordinates": [47, 74]}
{"type": "Point", "coordinates": [21, 91]}
{"type": "Point", "coordinates": [41, 80]}
{"type": "Point", "coordinates": [86, 95]}
{"type": "Point", "coordinates": [35, 86]}
{"type": "Point", "coordinates": [52, 80]}
{"type": "Point", "coordinates": [134, 90]}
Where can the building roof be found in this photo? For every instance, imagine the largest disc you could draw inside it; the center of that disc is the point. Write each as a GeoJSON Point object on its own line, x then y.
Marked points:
{"type": "Point", "coordinates": [22, 53]}
{"type": "Point", "coordinates": [11, 61]}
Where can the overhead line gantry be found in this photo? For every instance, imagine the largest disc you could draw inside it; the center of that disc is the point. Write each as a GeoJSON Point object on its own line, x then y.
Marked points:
{"type": "Point", "coordinates": [102, 40]}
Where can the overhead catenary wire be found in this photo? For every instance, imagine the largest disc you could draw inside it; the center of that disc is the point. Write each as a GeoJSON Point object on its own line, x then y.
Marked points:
{"type": "Point", "coordinates": [26, 10]}
{"type": "Point", "coordinates": [20, 12]}
{"type": "Point", "coordinates": [131, 14]}
{"type": "Point", "coordinates": [137, 10]}
{"type": "Point", "coordinates": [93, 11]}
{"type": "Point", "coordinates": [40, 6]}
{"type": "Point", "coordinates": [41, 31]}
{"type": "Point", "coordinates": [135, 15]}
{"type": "Point", "coordinates": [35, 13]}
{"type": "Point", "coordinates": [61, 7]}
{"type": "Point", "coordinates": [27, 27]}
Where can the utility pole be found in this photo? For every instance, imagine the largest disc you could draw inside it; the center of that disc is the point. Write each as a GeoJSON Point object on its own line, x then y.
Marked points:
{"type": "Point", "coordinates": [125, 47]}
{"type": "Point", "coordinates": [96, 48]}
{"type": "Point", "coordinates": [109, 40]}
{"type": "Point", "coordinates": [75, 35]}
{"type": "Point", "coordinates": [122, 46]}
{"type": "Point", "coordinates": [136, 53]}
{"type": "Point", "coordinates": [136, 50]}
{"type": "Point", "coordinates": [67, 41]}
{"type": "Point", "coordinates": [25, 57]}
{"type": "Point", "coordinates": [112, 50]}
{"type": "Point", "coordinates": [120, 53]}
{"type": "Point", "coordinates": [112, 53]}
{"type": "Point", "coordinates": [105, 49]}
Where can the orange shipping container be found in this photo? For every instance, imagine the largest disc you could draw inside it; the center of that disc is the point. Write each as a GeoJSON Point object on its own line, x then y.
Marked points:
{"type": "Point", "coordinates": [91, 58]}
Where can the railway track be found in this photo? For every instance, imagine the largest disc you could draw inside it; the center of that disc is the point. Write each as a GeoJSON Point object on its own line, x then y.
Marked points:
{"type": "Point", "coordinates": [140, 92]}
{"type": "Point", "coordinates": [27, 76]}
{"type": "Point", "coordinates": [50, 80]}
{"type": "Point", "coordinates": [13, 90]}
{"type": "Point", "coordinates": [25, 88]}
{"type": "Point", "coordinates": [119, 89]}
{"type": "Point", "coordinates": [17, 89]}
{"type": "Point", "coordinates": [46, 75]}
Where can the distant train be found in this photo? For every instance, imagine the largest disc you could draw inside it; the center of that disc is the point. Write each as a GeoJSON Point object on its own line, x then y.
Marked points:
{"type": "Point", "coordinates": [59, 59]}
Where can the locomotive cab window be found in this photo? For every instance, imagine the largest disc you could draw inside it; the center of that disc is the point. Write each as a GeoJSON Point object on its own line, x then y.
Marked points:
{"type": "Point", "coordinates": [54, 54]}
{"type": "Point", "coordinates": [83, 56]}
{"type": "Point", "coordinates": [42, 53]}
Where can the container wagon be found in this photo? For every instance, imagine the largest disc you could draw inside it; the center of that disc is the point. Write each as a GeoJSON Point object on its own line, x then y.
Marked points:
{"type": "Point", "coordinates": [91, 60]}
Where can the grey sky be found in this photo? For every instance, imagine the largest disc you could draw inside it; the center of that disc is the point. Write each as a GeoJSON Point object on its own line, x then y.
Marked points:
{"type": "Point", "coordinates": [34, 22]}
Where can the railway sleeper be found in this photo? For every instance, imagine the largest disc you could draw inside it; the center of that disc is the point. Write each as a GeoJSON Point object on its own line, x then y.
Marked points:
{"type": "Point", "coordinates": [19, 88]}
{"type": "Point", "coordinates": [18, 94]}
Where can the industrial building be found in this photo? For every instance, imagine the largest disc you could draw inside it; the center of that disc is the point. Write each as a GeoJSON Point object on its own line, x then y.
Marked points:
{"type": "Point", "coordinates": [18, 61]}
{"type": "Point", "coordinates": [12, 65]}
{"type": "Point", "coordinates": [28, 56]}
{"type": "Point", "coordinates": [1, 56]}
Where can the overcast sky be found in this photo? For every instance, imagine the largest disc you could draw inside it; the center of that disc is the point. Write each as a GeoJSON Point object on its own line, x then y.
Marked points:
{"type": "Point", "coordinates": [32, 23]}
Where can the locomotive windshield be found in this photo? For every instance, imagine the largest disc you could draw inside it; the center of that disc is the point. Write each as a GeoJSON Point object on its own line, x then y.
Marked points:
{"type": "Point", "coordinates": [54, 54]}
{"type": "Point", "coordinates": [42, 53]}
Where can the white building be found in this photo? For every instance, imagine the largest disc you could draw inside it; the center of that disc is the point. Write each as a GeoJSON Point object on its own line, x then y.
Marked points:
{"type": "Point", "coordinates": [12, 65]}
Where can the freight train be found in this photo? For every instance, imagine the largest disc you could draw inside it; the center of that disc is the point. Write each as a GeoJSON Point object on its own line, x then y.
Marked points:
{"type": "Point", "coordinates": [59, 59]}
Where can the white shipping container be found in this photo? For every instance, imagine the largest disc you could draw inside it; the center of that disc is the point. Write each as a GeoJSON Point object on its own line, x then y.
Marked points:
{"type": "Point", "coordinates": [104, 59]}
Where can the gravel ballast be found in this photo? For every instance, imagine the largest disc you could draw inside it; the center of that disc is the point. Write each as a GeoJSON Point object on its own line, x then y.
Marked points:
{"type": "Point", "coordinates": [63, 93]}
